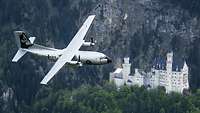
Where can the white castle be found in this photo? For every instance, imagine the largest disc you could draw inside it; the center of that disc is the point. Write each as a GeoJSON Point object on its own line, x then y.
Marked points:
{"type": "Point", "coordinates": [173, 81]}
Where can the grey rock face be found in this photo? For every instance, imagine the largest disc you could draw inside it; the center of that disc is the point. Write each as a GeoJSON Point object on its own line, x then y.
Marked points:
{"type": "Point", "coordinates": [149, 23]}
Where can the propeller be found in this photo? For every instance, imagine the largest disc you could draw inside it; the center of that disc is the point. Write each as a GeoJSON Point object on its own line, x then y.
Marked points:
{"type": "Point", "coordinates": [92, 41]}
{"type": "Point", "coordinates": [79, 61]}
{"type": "Point", "coordinates": [79, 58]}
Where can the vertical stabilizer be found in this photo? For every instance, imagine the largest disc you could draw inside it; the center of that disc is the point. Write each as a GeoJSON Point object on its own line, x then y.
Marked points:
{"type": "Point", "coordinates": [22, 39]}
{"type": "Point", "coordinates": [23, 42]}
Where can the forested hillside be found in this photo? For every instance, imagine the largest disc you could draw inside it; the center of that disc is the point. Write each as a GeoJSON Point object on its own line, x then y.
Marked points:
{"type": "Point", "coordinates": [107, 99]}
{"type": "Point", "coordinates": [140, 29]}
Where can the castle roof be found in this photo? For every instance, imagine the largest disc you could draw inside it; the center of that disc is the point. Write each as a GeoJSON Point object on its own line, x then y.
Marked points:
{"type": "Point", "coordinates": [159, 63]}
{"type": "Point", "coordinates": [118, 70]}
{"type": "Point", "coordinates": [177, 65]}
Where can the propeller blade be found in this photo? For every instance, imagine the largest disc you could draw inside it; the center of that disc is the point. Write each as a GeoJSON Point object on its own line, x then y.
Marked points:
{"type": "Point", "coordinates": [79, 58]}
{"type": "Point", "coordinates": [92, 40]}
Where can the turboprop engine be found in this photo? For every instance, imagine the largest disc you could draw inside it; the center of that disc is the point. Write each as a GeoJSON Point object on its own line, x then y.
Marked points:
{"type": "Point", "coordinates": [91, 43]}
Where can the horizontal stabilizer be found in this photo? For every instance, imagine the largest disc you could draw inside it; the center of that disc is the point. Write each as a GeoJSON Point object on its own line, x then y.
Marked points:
{"type": "Point", "coordinates": [20, 53]}
{"type": "Point", "coordinates": [32, 39]}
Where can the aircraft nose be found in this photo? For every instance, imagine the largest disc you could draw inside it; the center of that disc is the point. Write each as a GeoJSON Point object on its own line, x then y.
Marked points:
{"type": "Point", "coordinates": [109, 60]}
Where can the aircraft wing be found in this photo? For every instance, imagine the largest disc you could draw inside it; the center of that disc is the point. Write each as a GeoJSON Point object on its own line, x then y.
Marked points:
{"type": "Point", "coordinates": [70, 50]}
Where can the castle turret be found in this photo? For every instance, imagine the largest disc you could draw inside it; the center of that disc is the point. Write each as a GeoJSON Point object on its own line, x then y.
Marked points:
{"type": "Point", "coordinates": [185, 76]}
{"type": "Point", "coordinates": [169, 72]}
{"type": "Point", "coordinates": [126, 69]}
{"type": "Point", "coordinates": [169, 62]}
{"type": "Point", "coordinates": [185, 68]}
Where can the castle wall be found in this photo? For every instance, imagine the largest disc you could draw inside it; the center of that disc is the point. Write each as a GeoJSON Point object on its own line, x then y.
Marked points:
{"type": "Point", "coordinates": [173, 81]}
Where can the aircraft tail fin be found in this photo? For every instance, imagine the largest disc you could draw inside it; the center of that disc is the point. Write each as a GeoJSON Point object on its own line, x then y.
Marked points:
{"type": "Point", "coordinates": [22, 39]}
{"type": "Point", "coordinates": [23, 42]}
{"type": "Point", "coordinates": [20, 53]}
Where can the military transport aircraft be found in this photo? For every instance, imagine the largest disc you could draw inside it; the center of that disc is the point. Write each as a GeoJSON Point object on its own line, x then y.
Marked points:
{"type": "Point", "coordinates": [69, 55]}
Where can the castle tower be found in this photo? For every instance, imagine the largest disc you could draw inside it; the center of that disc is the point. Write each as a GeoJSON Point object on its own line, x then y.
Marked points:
{"type": "Point", "coordinates": [185, 72]}
{"type": "Point", "coordinates": [126, 69]}
{"type": "Point", "coordinates": [185, 68]}
{"type": "Point", "coordinates": [169, 62]}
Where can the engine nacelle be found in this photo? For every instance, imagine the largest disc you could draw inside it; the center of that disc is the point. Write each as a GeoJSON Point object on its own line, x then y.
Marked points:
{"type": "Point", "coordinates": [52, 58]}
{"type": "Point", "coordinates": [88, 44]}
{"type": "Point", "coordinates": [75, 63]}
{"type": "Point", "coordinates": [91, 43]}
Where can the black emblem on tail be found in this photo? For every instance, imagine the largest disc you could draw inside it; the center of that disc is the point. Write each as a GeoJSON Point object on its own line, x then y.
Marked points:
{"type": "Point", "coordinates": [24, 41]}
